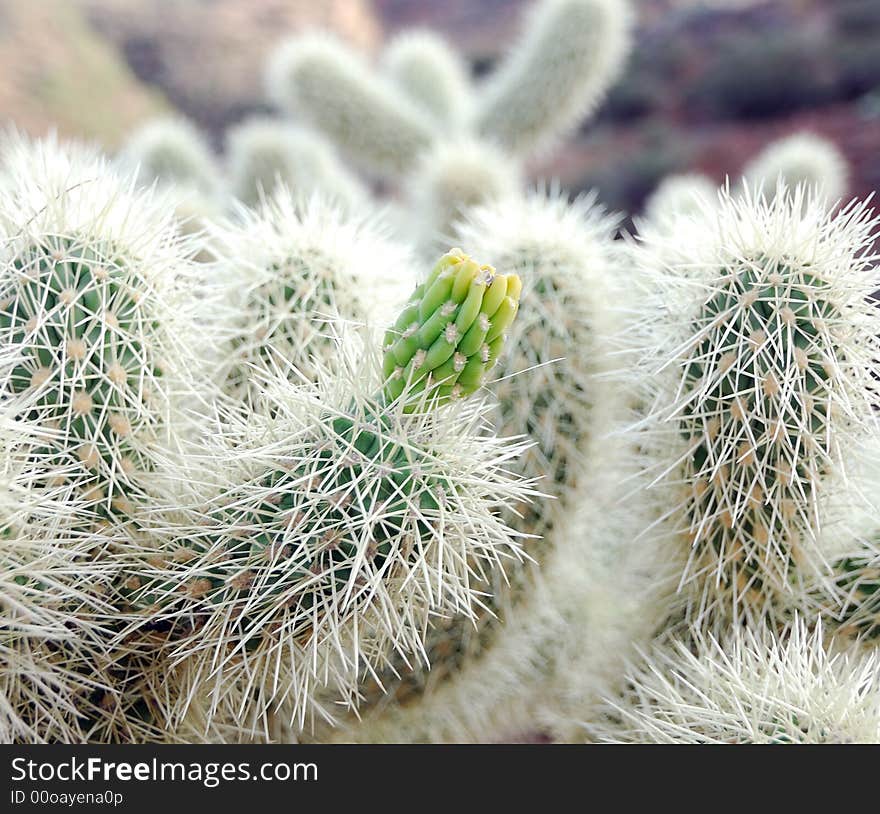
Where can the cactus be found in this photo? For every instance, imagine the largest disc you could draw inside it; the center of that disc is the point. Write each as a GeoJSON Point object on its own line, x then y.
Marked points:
{"type": "Point", "coordinates": [263, 153]}
{"type": "Point", "coordinates": [47, 578]}
{"type": "Point", "coordinates": [172, 153]}
{"type": "Point", "coordinates": [339, 517]}
{"type": "Point", "coordinates": [431, 74]}
{"type": "Point", "coordinates": [751, 686]}
{"type": "Point", "coordinates": [858, 580]}
{"type": "Point", "coordinates": [171, 150]}
{"type": "Point", "coordinates": [768, 368]}
{"type": "Point", "coordinates": [569, 54]}
{"type": "Point", "coordinates": [686, 195]}
{"type": "Point", "coordinates": [558, 647]}
{"type": "Point", "coordinates": [299, 267]}
{"type": "Point", "coordinates": [98, 303]}
{"type": "Point", "coordinates": [320, 81]}
{"type": "Point", "coordinates": [93, 291]}
{"type": "Point", "coordinates": [455, 177]}
{"type": "Point", "coordinates": [849, 603]}
{"type": "Point", "coordinates": [480, 676]}
{"type": "Point", "coordinates": [801, 159]}
{"type": "Point", "coordinates": [566, 257]}
{"type": "Point", "coordinates": [51, 681]}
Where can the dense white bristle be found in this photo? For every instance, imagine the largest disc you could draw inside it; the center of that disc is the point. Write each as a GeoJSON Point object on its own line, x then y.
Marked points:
{"type": "Point", "coordinates": [298, 267]}
{"type": "Point", "coordinates": [749, 687]}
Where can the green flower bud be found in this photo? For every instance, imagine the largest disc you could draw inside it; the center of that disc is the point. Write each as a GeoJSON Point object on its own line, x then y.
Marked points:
{"type": "Point", "coordinates": [451, 331]}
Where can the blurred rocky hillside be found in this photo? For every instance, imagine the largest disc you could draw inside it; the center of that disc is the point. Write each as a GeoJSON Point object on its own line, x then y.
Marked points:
{"type": "Point", "coordinates": [57, 71]}
{"type": "Point", "coordinates": [207, 55]}
{"type": "Point", "coordinates": [709, 85]}
{"type": "Point", "coordinates": [710, 81]}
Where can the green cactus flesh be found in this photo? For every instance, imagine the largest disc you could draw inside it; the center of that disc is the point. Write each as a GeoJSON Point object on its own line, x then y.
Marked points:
{"type": "Point", "coordinates": [304, 527]}
{"type": "Point", "coordinates": [76, 312]}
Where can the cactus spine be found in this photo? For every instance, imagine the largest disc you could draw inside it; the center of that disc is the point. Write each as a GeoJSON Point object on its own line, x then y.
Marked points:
{"type": "Point", "coordinates": [98, 302]}
{"type": "Point", "coordinates": [45, 575]}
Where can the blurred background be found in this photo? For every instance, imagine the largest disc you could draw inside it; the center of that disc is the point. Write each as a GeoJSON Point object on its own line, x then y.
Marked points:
{"type": "Point", "coordinates": [710, 82]}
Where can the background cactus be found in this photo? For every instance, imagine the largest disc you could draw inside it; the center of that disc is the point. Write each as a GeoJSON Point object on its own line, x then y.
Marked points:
{"type": "Point", "coordinates": [676, 196]}
{"type": "Point", "coordinates": [763, 366]}
{"type": "Point", "coordinates": [802, 159]}
{"type": "Point", "coordinates": [752, 686]}
{"type": "Point", "coordinates": [171, 150]}
{"type": "Point", "coordinates": [263, 153]}
{"type": "Point", "coordinates": [569, 54]}
{"type": "Point", "coordinates": [297, 268]}
{"type": "Point", "coordinates": [451, 179]}
{"type": "Point", "coordinates": [322, 82]}
{"type": "Point", "coordinates": [431, 74]}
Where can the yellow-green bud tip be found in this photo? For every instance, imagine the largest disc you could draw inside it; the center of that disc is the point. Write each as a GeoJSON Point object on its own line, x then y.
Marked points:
{"type": "Point", "coordinates": [451, 331]}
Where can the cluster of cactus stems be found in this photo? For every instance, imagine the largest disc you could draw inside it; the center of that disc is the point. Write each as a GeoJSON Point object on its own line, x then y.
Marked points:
{"type": "Point", "coordinates": [270, 470]}
{"type": "Point", "coordinates": [417, 122]}
{"type": "Point", "coordinates": [341, 507]}
{"type": "Point", "coordinates": [346, 516]}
